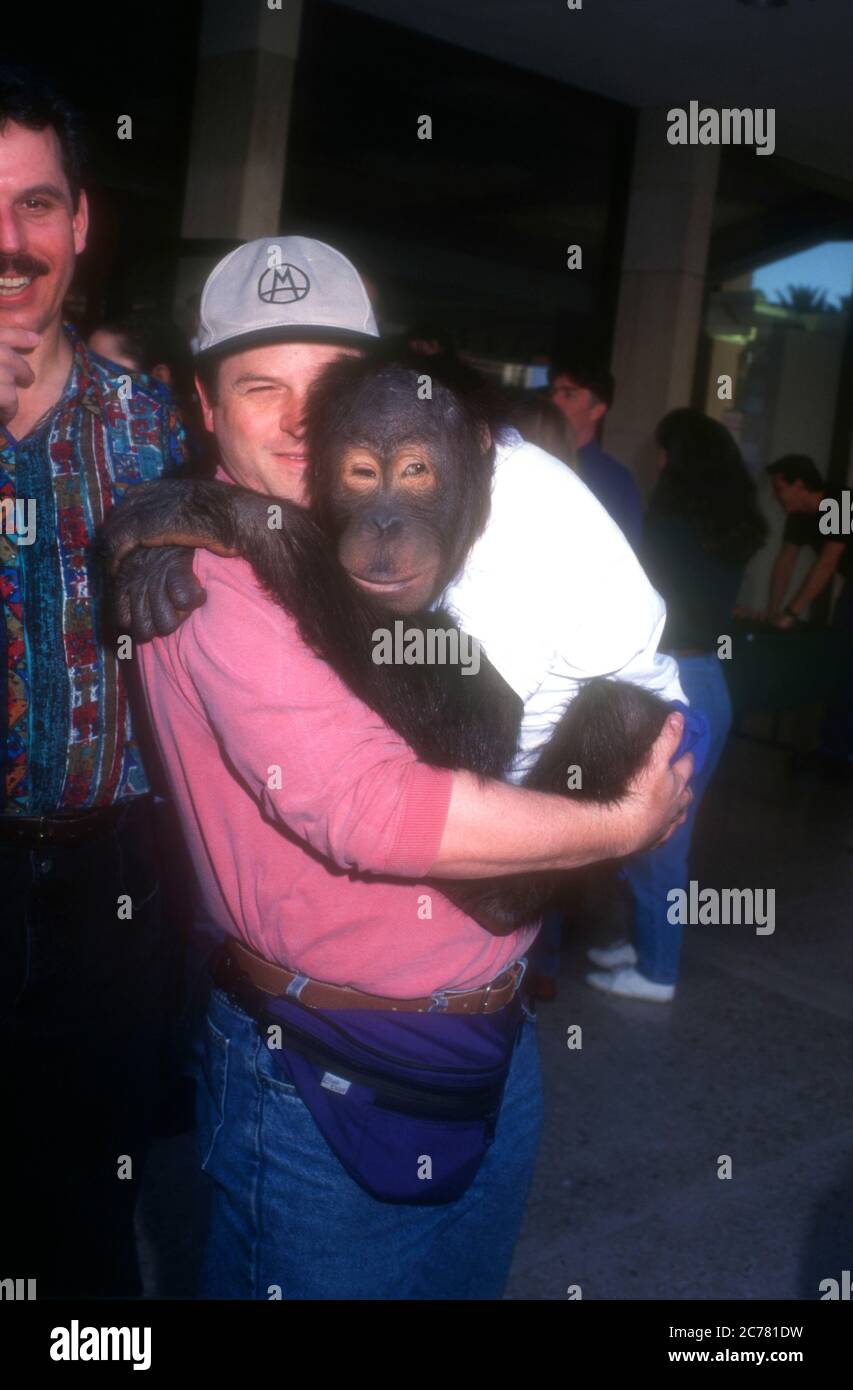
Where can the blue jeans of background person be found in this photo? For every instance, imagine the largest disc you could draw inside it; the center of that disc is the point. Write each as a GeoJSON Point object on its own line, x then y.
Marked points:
{"type": "Point", "coordinates": [287, 1216]}
{"type": "Point", "coordinates": [652, 875]}
{"type": "Point", "coordinates": [544, 954]}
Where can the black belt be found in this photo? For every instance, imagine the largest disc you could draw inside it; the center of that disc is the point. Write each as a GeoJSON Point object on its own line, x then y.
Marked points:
{"type": "Point", "coordinates": [67, 827]}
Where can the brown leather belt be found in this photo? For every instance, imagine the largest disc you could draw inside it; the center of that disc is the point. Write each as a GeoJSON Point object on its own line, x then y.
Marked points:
{"type": "Point", "coordinates": [65, 828]}
{"type": "Point", "coordinates": [275, 980]}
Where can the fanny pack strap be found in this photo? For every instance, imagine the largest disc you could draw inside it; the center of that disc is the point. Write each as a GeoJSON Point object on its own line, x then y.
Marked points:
{"type": "Point", "coordinates": [405, 1097]}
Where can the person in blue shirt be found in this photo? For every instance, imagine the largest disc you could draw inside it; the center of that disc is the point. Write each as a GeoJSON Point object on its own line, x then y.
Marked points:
{"type": "Point", "coordinates": [582, 388]}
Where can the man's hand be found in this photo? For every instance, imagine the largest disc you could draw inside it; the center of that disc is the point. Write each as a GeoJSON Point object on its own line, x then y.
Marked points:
{"type": "Point", "coordinates": [15, 370]}
{"type": "Point", "coordinates": [155, 590]}
{"type": "Point", "coordinates": [658, 798]}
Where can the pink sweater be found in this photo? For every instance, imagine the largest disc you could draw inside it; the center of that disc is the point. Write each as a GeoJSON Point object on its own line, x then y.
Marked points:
{"type": "Point", "coordinates": [299, 804]}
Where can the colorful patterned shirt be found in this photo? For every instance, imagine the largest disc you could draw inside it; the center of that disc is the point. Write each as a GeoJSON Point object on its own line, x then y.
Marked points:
{"type": "Point", "coordinates": [66, 740]}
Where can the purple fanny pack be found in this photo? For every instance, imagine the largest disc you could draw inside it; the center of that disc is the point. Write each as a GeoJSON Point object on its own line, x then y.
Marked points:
{"type": "Point", "coordinates": [408, 1102]}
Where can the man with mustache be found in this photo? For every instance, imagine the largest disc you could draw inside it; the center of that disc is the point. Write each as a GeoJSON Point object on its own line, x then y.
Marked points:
{"type": "Point", "coordinates": [82, 991]}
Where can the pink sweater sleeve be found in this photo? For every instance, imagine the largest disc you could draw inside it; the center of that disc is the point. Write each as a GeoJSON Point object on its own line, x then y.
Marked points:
{"type": "Point", "coordinates": [316, 759]}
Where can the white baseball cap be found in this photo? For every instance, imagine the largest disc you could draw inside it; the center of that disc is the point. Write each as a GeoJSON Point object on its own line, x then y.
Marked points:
{"type": "Point", "coordinates": [280, 289]}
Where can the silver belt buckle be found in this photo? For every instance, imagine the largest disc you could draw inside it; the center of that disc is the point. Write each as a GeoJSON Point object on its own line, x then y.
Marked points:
{"type": "Point", "coordinates": [518, 968]}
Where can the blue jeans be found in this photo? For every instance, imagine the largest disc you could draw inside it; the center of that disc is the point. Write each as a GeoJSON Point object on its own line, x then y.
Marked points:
{"type": "Point", "coordinates": [287, 1216]}
{"type": "Point", "coordinates": [544, 954]}
{"type": "Point", "coordinates": [652, 875]}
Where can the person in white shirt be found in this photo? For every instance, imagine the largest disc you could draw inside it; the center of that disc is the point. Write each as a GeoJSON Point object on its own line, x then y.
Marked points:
{"type": "Point", "coordinates": [555, 594]}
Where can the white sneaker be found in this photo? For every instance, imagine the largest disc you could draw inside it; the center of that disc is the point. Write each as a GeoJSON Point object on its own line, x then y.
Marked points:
{"type": "Point", "coordinates": [631, 984]}
{"type": "Point", "coordinates": [609, 957]}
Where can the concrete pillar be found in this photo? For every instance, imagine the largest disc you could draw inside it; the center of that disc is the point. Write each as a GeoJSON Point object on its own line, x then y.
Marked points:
{"type": "Point", "coordinates": [235, 177]}
{"type": "Point", "coordinates": [661, 293]}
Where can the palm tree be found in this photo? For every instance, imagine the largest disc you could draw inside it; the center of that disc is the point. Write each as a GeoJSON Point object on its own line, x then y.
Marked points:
{"type": "Point", "coordinates": [804, 299]}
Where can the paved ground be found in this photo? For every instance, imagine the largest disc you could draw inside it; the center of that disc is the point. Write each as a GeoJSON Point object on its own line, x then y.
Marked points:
{"type": "Point", "coordinates": [751, 1060]}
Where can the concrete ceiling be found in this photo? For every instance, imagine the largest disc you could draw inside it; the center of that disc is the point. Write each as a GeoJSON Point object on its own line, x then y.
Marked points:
{"type": "Point", "coordinates": [668, 52]}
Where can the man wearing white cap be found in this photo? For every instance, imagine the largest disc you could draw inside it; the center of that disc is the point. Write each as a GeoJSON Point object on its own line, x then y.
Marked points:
{"type": "Point", "coordinates": [313, 828]}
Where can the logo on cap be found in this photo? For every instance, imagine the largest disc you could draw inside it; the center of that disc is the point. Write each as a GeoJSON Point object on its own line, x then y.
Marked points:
{"type": "Point", "coordinates": [283, 284]}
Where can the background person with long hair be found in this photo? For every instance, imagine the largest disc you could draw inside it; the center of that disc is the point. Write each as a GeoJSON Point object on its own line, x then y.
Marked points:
{"type": "Point", "coordinates": [540, 422]}
{"type": "Point", "coordinates": [702, 526]}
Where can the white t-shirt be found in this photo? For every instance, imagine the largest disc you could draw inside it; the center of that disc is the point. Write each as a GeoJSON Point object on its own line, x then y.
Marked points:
{"type": "Point", "coordinates": [555, 594]}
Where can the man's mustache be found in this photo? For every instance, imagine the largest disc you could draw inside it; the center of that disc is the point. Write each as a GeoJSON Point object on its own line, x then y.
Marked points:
{"type": "Point", "coordinates": [22, 263]}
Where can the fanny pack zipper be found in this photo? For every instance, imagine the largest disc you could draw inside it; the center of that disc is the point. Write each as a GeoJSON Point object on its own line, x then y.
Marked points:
{"type": "Point", "coordinates": [374, 1052]}
{"type": "Point", "coordinates": [315, 1052]}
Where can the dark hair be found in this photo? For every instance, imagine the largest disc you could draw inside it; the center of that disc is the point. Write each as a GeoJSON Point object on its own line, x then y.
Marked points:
{"type": "Point", "coordinates": [586, 370]}
{"type": "Point", "coordinates": [541, 422]}
{"type": "Point", "coordinates": [151, 342]}
{"type": "Point", "coordinates": [706, 482]}
{"type": "Point", "coordinates": [207, 371]}
{"type": "Point", "coordinates": [430, 331]}
{"type": "Point", "coordinates": [797, 468]}
{"type": "Point", "coordinates": [28, 100]}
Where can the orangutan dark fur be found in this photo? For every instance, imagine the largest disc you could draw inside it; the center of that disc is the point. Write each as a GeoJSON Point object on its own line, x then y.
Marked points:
{"type": "Point", "coordinates": [397, 482]}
